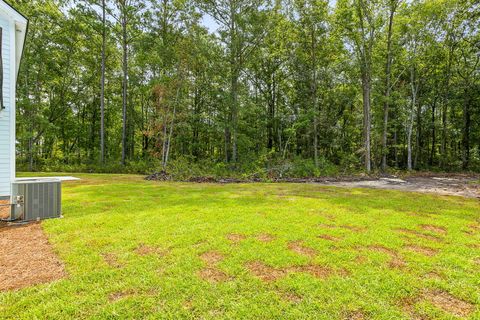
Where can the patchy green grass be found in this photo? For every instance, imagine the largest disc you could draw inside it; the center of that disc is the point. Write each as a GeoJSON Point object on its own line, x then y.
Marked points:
{"type": "Point", "coordinates": [138, 249]}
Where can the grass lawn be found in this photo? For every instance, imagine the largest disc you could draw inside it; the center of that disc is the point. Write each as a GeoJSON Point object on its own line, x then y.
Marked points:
{"type": "Point", "coordinates": [138, 249]}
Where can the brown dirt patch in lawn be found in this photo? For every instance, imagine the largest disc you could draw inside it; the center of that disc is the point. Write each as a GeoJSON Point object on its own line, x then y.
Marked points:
{"type": "Point", "coordinates": [353, 228]}
{"type": "Point", "coordinates": [265, 237]}
{"type": "Point", "coordinates": [313, 269]}
{"type": "Point", "coordinates": [419, 214]}
{"type": "Point", "coordinates": [144, 250]}
{"type": "Point", "coordinates": [116, 296]}
{"type": "Point", "coordinates": [360, 259]}
{"type": "Point", "coordinates": [291, 297]}
{"type": "Point", "coordinates": [329, 216]}
{"type": "Point", "coordinates": [264, 272]}
{"type": "Point", "coordinates": [112, 260]}
{"type": "Point", "coordinates": [355, 315]}
{"type": "Point", "coordinates": [187, 304]}
{"type": "Point", "coordinates": [426, 251]}
{"type": "Point", "coordinates": [408, 306]}
{"type": "Point", "coordinates": [474, 245]}
{"type": "Point", "coordinates": [212, 257]}
{"type": "Point", "coordinates": [327, 226]}
{"type": "Point", "coordinates": [418, 234]}
{"type": "Point", "coordinates": [268, 274]}
{"type": "Point", "coordinates": [439, 299]}
{"type": "Point", "coordinates": [199, 243]}
{"type": "Point", "coordinates": [300, 248]}
{"type": "Point", "coordinates": [27, 258]}
{"type": "Point", "coordinates": [119, 295]}
{"type": "Point", "coordinates": [236, 237]}
{"type": "Point", "coordinates": [329, 237]}
{"type": "Point", "coordinates": [448, 303]}
{"type": "Point", "coordinates": [433, 228]}
{"type": "Point", "coordinates": [396, 260]}
{"type": "Point", "coordinates": [396, 263]}
{"type": "Point", "coordinates": [213, 274]}
{"type": "Point", "coordinates": [474, 228]}
{"type": "Point", "coordinates": [433, 275]}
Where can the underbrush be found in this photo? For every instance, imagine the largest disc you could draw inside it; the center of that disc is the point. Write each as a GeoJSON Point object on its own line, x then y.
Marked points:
{"type": "Point", "coordinates": [263, 168]}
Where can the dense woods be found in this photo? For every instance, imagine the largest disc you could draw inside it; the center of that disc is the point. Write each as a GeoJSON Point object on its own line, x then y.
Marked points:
{"type": "Point", "coordinates": [284, 87]}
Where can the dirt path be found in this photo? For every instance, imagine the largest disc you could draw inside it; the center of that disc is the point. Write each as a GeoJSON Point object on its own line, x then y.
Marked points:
{"type": "Point", "coordinates": [464, 186]}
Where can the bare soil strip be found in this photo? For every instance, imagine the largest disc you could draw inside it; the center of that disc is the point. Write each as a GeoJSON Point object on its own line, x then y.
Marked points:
{"type": "Point", "coordinates": [27, 258]}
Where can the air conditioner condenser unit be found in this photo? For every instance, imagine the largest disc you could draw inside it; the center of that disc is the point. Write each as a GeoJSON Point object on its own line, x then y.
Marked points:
{"type": "Point", "coordinates": [36, 199]}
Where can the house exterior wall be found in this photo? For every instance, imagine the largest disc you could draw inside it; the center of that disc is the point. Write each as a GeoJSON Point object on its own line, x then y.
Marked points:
{"type": "Point", "coordinates": [7, 116]}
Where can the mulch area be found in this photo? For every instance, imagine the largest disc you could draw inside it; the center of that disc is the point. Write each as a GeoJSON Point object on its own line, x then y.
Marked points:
{"type": "Point", "coordinates": [4, 209]}
{"type": "Point", "coordinates": [26, 257]}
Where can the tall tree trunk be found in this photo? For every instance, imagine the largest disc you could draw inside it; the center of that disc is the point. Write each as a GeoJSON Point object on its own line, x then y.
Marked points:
{"type": "Point", "coordinates": [434, 133]}
{"type": "Point", "coordinates": [164, 140]}
{"type": "Point", "coordinates": [314, 95]}
{"type": "Point", "coordinates": [364, 52]}
{"type": "Point", "coordinates": [102, 87]}
{"type": "Point", "coordinates": [172, 124]}
{"type": "Point", "coordinates": [409, 141]}
{"type": "Point", "coordinates": [125, 83]}
{"type": "Point", "coordinates": [466, 130]}
{"type": "Point", "coordinates": [230, 132]}
{"type": "Point", "coordinates": [446, 89]}
{"type": "Point", "coordinates": [366, 119]}
{"type": "Point", "coordinates": [418, 138]}
{"type": "Point", "coordinates": [388, 68]}
{"type": "Point", "coordinates": [414, 91]}
{"type": "Point", "coordinates": [234, 118]}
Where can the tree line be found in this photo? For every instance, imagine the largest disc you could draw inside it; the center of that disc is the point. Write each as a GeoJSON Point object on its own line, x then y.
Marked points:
{"type": "Point", "coordinates": [298, 86]}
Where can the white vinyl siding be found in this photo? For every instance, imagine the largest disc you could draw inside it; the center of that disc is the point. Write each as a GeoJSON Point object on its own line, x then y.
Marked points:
{"type": "Point", "coordinates": [6, 156]}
